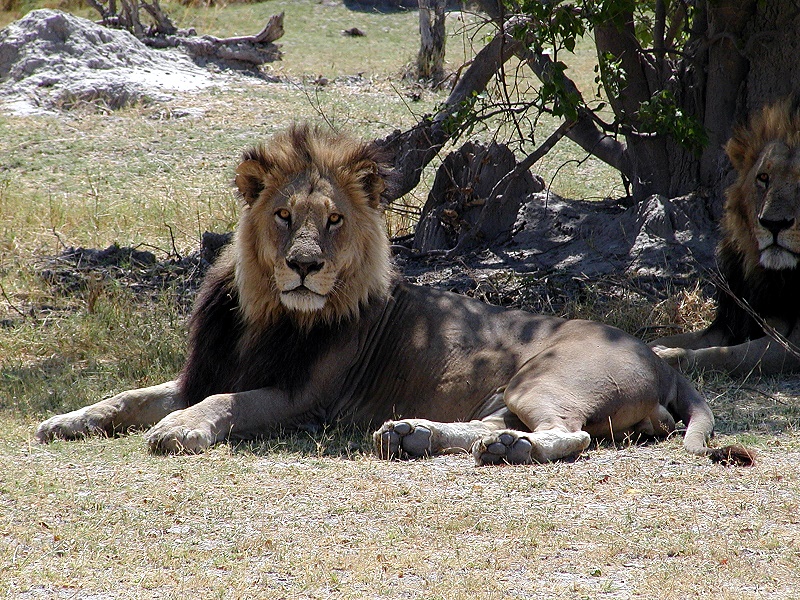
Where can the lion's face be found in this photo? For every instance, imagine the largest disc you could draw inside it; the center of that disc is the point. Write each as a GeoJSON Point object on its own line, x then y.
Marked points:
{"type": "Point", "coordinates": [775, 179]}
{"type": "Point", "coordinates": [763, 206]}
{"type": "Point", "coordinates": [311, 237]}
{"type": "Point", "coordinates": [311, 240]}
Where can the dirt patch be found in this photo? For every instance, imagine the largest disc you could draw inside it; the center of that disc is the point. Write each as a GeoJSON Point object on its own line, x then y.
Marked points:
{"type": "Point", "coordinates": [563, 250]}
{"type": "Point", "coordinates": [52, 60]}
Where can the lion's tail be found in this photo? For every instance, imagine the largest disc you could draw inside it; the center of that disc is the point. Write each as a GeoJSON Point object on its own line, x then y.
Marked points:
{"type": "Point", "coordinates": [693, 410]}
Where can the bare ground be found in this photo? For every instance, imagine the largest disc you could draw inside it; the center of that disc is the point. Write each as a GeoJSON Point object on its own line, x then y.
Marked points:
{"type": "Point", "coordinates": [331, 521]}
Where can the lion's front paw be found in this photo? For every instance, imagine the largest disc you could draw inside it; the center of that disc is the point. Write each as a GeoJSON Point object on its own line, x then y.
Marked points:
{"type": "Point", "coordinates": [74, 425]}
{"type": "Point", "coordinates": [401, 439]}
{"type": "Point", "coordinates": [682, 359]}
{"type": "Point", "coordinates": [177, 433]}
{"type": "Point", "coordinates": [503, 447]}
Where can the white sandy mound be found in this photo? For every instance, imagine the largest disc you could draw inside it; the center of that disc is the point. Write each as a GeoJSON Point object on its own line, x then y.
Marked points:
{"type": "Point", "coordinates": [52, 60]}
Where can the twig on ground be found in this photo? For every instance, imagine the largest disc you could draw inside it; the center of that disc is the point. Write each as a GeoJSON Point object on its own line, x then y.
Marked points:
{"type": "Point", "coordinates": [11, 304]}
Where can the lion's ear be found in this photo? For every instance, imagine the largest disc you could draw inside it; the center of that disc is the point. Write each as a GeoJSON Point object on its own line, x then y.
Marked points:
{"type": "Point", "coordinates": [250, 177]}
{"type": "Point", "coordinates": [371, 181]}
{"type": "Point", "coordinates": [737, 149]}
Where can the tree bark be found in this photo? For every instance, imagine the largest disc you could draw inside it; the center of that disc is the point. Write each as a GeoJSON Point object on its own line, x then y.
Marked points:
{"type": "Point", "coordinates": [647, 173]}
{"type": "Point", "coordinates": [726, 76]}
{"type": "Point", "coordinates": [430, 60]}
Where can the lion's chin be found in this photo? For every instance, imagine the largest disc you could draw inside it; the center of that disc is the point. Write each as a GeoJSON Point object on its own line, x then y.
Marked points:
{"type": "Point", "coordinates": [303, 300]}
{"type": "Point", "coordinates": [777, 259]}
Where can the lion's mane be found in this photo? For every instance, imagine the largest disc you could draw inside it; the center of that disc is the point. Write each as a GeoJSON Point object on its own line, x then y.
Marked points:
{"type": "Point", "coordinates": [241, 336]}
{"type": "Point", "coordinates": [768, 292]}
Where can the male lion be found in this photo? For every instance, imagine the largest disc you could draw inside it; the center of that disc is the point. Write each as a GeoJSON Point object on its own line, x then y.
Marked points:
{"type": "Point", "coordinates": [303, 322]}
{"type": "Point", "coordinates": [758, 256]}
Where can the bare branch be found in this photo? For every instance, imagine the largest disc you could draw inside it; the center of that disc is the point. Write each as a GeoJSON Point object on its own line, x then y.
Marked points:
{"type": "Point", "coordinates": [527, 163]}
{"type": "Point", "coordinates": [163, 24]}
{"type": "Point", "coordinates": [271, 32]}
{"type": "Point", "coordinates": [11, 304]}
{"type": "Point", "coordinates": [412, 150]}
{"type": "Point", "coordinates": [584, 132]}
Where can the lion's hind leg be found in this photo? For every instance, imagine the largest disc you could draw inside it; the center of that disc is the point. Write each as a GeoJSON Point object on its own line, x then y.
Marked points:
{"type": "Point", "coordinates": [658, 424]}
{"type": "Point", "coordinates": [412, 438]}
{"type": "Point", "coordinates": [522, 448]}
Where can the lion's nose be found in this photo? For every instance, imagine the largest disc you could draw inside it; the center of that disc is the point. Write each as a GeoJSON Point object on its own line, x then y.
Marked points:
{"type": "Point", "coordinates": [305, 266]}
{"type": "Point", "coordinates": [775, 226]}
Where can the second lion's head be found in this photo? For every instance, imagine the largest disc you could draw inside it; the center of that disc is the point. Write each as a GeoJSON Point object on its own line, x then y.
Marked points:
{"type": "Point", "coordinates": [762, 212]}
{"type": "Point", "coordinates": [311, 241]}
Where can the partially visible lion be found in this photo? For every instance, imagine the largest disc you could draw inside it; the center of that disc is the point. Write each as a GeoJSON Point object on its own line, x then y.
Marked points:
{"type": "Point", "coordinates": [759, 257]}
{"type": "Point", "coordinates": [303, 322]}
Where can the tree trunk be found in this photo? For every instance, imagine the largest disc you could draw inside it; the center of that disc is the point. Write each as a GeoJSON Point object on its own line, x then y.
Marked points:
{"type": "Point", "coordinates": [753, 50]}
{"type": "Point", "coordinates": [430, 60]}
{"type": "Point", "coordinates": [725, 79]}
{"type": "Point", "coordinates": [647, 175]}
{"type": "Point", "coordinates": [741, 55]}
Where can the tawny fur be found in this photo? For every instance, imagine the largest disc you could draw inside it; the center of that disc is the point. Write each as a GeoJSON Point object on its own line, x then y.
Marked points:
{"type": "Point", "coordinates": [357, 169]}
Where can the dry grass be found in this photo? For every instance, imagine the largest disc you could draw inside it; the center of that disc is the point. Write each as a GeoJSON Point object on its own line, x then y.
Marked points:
{"type": "Point", "coordinates": [304, 516]}
{"type": "Point", "coordinates": [102, 519]}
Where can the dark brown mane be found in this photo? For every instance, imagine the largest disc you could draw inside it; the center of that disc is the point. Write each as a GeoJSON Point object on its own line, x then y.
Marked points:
{"type": "Point", "coordinates": [241, 337]}
{"type": "Point", "coordinates": [770, 294]}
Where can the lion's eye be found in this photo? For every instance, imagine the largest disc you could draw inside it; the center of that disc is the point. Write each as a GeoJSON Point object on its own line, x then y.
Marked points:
{"type": "Point", "coordinates": [334, 219]}
{"type": "Point", "coordinates": [283, 215]}
{"type": "Point", "coordinates": [763, 179]}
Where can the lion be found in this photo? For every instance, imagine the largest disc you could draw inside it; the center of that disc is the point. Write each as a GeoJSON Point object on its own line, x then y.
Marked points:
{"type": "Point", "coordinates": [755, 329]}
{"type": "Point", "coordinates": [303, 322]}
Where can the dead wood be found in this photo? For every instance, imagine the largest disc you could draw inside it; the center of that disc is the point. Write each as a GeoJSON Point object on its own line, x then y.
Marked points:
{"type": "Point", "coordinates": [242, 51]}
{"type": "Point", "coordinates": [464, 209]}
{"type": "Point", "coordinates": [412, 150]}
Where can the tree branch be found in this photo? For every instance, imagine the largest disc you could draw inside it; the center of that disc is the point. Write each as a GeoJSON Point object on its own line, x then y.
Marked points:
{"type": "Point", "coordinates": [584, 132]}
{"type": "Point", "coordinates": [412, 150]}
{"type": "Point", "coordinates": [659, 29]}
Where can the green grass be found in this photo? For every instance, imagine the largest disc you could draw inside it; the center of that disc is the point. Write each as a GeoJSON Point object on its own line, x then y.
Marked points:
{"type": "Point", "coordinates": [316, 516]}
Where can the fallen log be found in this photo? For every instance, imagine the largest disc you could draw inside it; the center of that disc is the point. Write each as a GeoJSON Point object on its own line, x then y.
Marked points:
{"type": "Point", "coordinates": [243, 51]}
{"type": "Point", "coordinates": [239, 52]}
